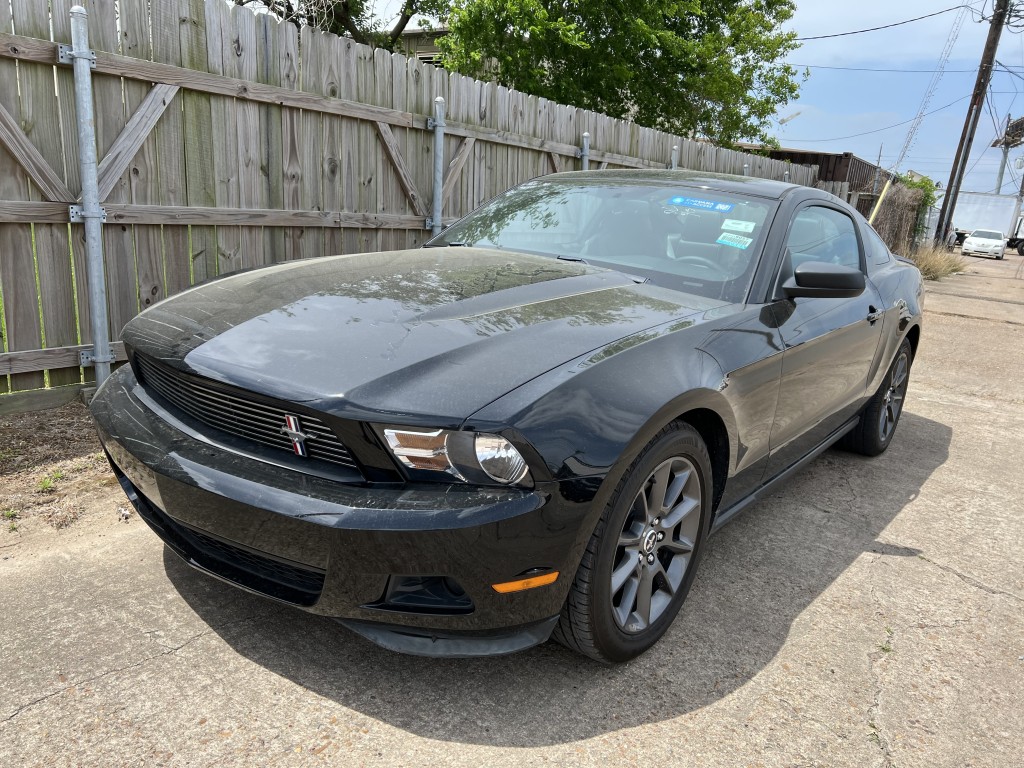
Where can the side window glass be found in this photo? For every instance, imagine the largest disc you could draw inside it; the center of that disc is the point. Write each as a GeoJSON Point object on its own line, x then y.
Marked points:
{"type": "Point", "coordinates": [878, 251]}
{"type": "Point", "coordinates": [822, 234]}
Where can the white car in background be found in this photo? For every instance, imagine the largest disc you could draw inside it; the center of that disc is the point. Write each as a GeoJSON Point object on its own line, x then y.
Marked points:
{"type": "Point", "coordinates": [984, 242]}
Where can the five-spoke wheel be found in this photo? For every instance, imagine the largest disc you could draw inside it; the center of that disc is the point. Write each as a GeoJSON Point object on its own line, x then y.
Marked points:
{"type": "Point", "coordinates": [655, 544]}
{"type": "Point", "coordinates": [642, 556]}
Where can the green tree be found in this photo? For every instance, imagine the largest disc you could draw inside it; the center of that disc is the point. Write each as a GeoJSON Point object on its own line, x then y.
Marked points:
{"type": "Point", "coordinates": [710, 68]}
{"type": "Point", "coordinates": [351, 18]}
{"type": "Point", "coordinates": [926, 185]}
{"type": "Point", "coordinates": [928, 198]}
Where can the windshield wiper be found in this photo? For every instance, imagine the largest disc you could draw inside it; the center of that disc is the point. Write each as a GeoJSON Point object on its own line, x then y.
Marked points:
{"type": "Point", "coordinates": [579, 259]}
{"type": "Point", "coordinates": [446, 245]}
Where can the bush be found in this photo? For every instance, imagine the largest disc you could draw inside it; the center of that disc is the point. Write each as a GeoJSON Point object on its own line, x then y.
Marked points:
{"type": "Point", "coordinates": [936, 262]}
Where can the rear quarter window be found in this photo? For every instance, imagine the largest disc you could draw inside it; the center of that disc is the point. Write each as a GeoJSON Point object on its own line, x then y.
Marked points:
{"type": "Point", "coordinates": [878, 252]}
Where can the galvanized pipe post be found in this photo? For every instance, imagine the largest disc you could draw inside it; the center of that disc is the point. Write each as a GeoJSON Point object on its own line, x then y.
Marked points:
{"type": "Point", "coordinates": [674, 162]}
{"type": "Point", "coordinates": [785, 176]}
{"type": "Point", "coordinates": [585, 154]}
{"type": "Point", "coordinates": [438, 126]}
{"type": "Point", "coordinates": [746, 169]}
{"type": "Point", "coordinates": [90, 212]}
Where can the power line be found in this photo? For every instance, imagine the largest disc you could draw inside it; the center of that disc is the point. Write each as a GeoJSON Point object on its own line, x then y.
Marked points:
{"type": "Point", "coordinates": [933, 83]}
{"type": "Point", "coordinates": [894, 125]}
{"type": "Point", "coordinates": [900, 71]}
{"type": "Point", "coordinates": [885, 26]}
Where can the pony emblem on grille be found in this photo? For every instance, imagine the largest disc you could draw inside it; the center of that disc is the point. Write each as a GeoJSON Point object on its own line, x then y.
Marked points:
{"type": "Point", "coordinates": [293, 430]}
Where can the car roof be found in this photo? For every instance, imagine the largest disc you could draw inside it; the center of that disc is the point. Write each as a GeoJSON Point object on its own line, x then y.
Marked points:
{"type": "Point", "coordinates": [725, 182]}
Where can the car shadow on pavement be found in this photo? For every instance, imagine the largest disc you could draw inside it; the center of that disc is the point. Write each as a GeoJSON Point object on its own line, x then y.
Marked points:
{"type": "Point", "coordinates": [758, 575]}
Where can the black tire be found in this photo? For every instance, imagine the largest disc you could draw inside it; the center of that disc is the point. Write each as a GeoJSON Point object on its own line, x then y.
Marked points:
{"type": "Point", "coordinates": [590, 622]}
{"type": "Point", "coordinates": [872, 436]}
{"type": "Point", "coordinates": [1020, 249]}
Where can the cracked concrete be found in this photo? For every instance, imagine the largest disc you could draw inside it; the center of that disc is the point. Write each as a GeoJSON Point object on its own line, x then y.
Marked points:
{"type": "Point", "coordinates": [868, 614]}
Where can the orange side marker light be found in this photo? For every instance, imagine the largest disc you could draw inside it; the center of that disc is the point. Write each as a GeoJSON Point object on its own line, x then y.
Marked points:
{"type": "Point", "coordinates": [520, 584]}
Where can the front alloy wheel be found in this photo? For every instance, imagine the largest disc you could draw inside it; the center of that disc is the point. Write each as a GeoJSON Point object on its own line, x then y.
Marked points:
{"type": "Point", "coordinates": [655, 545]}
{"type": "Point", "coordinates": [642, 556]}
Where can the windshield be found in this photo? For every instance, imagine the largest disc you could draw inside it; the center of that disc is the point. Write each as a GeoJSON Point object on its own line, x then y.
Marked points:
{"type": "Point", "coordinates": [987, 234]}
{"type": "Point", "coordinates": [691, 239]}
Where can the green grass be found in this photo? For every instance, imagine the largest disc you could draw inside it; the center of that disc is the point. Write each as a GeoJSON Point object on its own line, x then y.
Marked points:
{"type": "Point", "coordinates": [12, 527]}
{"type": "Point", "coordinates": [10, 514]}
{"type": "Point", "coordinates": [48, 483]}
{"type": "Point", "coordinates": [886, 647]}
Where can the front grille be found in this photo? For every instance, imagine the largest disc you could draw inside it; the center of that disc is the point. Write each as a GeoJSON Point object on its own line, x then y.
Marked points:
{"type": "Point", "coordinates": [293, 583]}
{"type": "Point", "coordinates": [301, 579]}
{"type": "Point", "coordinates": [233, 413]}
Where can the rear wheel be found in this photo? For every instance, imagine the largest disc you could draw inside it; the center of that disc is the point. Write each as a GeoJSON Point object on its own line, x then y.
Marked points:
{"type": "Point", "coordinates": [880, 416]}
{"type": "Point", "coordinates": [642, 557]}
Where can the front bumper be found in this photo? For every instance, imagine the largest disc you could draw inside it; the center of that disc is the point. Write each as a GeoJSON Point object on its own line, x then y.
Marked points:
{"type": "Point", "coordinates": [337, 549]}
{"type": "Point", "coordinates": [996, 252]}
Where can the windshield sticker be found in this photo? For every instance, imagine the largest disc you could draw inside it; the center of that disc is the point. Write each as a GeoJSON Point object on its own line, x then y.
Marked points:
{"type": "Point", "coordinates": [738, 225]}
{"type": "Point", "coordinates": [704, 205]}
{"type": "Point", "coordinates": [736, 241]}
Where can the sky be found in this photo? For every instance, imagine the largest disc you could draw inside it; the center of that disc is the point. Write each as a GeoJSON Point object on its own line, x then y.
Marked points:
{"type": "Point", "coordinates": [835, 105]}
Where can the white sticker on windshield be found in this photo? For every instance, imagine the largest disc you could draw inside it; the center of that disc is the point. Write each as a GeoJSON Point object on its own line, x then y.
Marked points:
{"type": "Point", "coordinates": [738, 225]}
{"type": "Point", "coordinates": [736, 241]}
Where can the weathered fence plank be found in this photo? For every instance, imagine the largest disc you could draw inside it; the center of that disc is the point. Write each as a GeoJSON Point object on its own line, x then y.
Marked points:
{"type": "Point", "coordinates": [24, 152]}
{"type": "Point", "coordinates": [271, 155]}
{"type": "Point", "coordinates": [127, 145]}
{"type": "Point", "coordinates": [198, 260]}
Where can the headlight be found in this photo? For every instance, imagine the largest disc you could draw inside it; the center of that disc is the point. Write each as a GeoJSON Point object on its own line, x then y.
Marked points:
{"type": "Point", "coordinates": [473, 457]}
{"type": "Point", "coordinates": [500, 459]}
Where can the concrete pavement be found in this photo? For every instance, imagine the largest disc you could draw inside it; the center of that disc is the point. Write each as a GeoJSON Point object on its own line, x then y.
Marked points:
{"type": "Point", "coordinates": [871, 613]}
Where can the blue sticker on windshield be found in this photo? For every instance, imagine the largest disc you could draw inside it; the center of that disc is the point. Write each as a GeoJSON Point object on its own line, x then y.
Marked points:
{"type": "Point", "coordinates": [704, 205]}
{"type": "Point", "coordinates": [736, 241]}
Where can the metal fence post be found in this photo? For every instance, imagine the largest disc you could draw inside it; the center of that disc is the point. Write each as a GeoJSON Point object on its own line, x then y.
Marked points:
{"type": "Point", "coordinates": [674, 163]}
{"type": "Point", "coordinates": [785, 176]}
{"type": "Point", "coordinates": [746, 169]}
{"type": "Point", "coordinates": [585, 154]}
{"type": "Point", "coordinates": [101, 355]}
{"type": "Point", "coordinates": [437, 124]}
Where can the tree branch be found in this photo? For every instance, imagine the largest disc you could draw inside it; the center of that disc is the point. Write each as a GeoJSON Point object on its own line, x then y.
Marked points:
{"type": "Point", "coordinates": [403, 20]}
{"type": "Point", "coordinates": [349, 23]}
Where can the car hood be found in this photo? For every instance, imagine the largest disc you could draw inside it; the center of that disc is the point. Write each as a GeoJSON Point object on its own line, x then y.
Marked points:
{"type": "Point", "coordinates": [436, 332]}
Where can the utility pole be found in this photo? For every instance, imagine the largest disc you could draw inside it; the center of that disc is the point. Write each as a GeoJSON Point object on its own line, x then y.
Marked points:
{"type": "Point", "coordinates": [878, 166]}
{"type": "Point", "coordinates": [963, 149]}
{"type": "Point", "coordinates": [1004, 143]}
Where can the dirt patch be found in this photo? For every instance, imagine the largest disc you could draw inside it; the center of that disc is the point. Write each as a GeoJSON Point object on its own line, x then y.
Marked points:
{"type": "Point", "coordinates": [51, 468]}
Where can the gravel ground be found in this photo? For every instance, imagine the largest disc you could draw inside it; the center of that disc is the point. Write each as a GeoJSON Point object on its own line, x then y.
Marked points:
{"type": "Point", "coordinates": [869, 614]}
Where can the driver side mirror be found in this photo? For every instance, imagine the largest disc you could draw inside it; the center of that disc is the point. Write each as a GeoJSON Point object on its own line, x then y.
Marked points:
{"type": "Point", "coordinates": [827, 281]}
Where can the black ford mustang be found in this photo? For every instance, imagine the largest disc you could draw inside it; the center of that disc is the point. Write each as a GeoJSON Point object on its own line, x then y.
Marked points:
{"type": "Point", "coordinates": [527, 428]}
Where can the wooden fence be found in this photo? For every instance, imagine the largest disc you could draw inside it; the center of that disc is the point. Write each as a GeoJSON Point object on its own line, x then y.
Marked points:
{"type": "Point", "coordinates": [229, 140]}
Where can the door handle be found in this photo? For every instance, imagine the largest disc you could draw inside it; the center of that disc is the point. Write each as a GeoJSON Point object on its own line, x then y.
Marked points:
{"type": "Point", "coordinates": [874, 314]}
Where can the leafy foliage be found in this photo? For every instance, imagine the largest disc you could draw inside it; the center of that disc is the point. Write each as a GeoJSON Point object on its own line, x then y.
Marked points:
{"type": "Point", "coordinates": [707, 68]}
{"type": "Point", "coordinates": [351, 18]}
{"type": "Point", "coordinates": [712, 68]}
{"type": "Point", "coordinates": [923, 183]}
